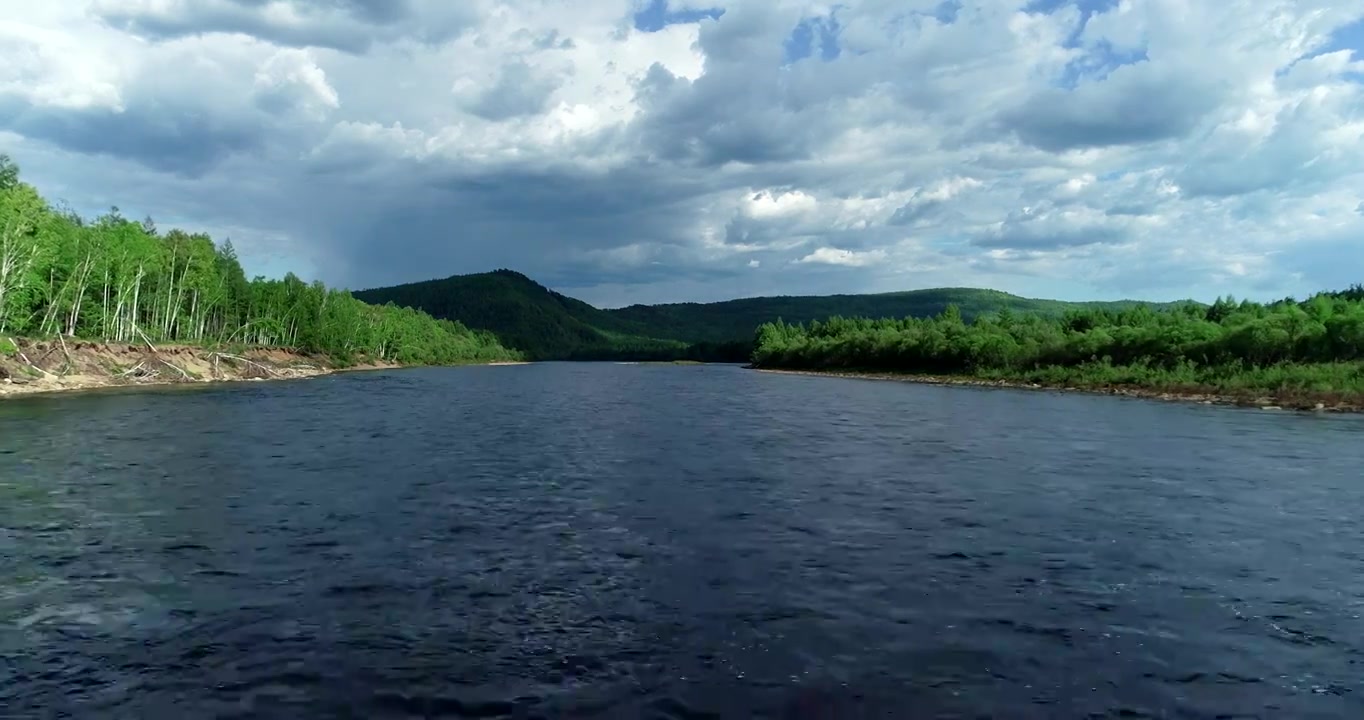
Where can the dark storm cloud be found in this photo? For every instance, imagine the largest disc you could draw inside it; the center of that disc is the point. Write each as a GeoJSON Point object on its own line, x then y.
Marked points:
{"type": "Point", "coordinates": [171, 139]}
{"type": "Point", "coordinates": [412, 219]}
{"type": "Point", "coordinates": [346, 25]}
{"type": "Point", "coordinates": [667, 263]}
{"type": "Point", "coordinates": [1134, 105]}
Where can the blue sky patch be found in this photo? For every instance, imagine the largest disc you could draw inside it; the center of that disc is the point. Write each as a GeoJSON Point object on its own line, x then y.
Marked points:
{"type": "Point", "coordinates": [946, 12]}
{"type": "Point", "coordinates": [813, 36]}
{"type": "Point", "coordinates": [1099, 63]}
{"type": "Point", "coordinates": [1101, 59]}
{"type": "Point", "coordinates": [657, 16]}
{"type": "Point", "coordinates": [1088, 9]}
{"type": "Point", "coordinates": [1349, 37]}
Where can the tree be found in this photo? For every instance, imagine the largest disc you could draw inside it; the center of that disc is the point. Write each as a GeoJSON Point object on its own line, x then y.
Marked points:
{"type": "Point", "coordinates": [116, 279]}
{"type": "Point", "coordinates": [9, 173]}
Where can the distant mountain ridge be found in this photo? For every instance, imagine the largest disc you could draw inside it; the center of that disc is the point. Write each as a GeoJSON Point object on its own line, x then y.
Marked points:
{"type": "Point", "coordinates": [540, 322]}
{"type": "Point", "coordinates": [547, 325]}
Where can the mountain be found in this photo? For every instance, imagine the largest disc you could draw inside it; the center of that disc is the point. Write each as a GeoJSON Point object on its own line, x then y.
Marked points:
{"type": "Point", "coordinates": [738, 319]}
{"type": "Point", "coordinates": [529, 317]}
{"type": "Point", "coordinates": [548, 325]}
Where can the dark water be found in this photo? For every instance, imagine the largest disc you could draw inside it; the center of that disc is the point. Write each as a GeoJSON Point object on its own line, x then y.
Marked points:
{"type": "Point", "coordinates": [640, 541]}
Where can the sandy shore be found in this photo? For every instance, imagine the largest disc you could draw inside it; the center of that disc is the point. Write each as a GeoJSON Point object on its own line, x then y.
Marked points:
{"type": "Point", "coordinates": [40, 367]}
{"type": "Point", "coordinates": [1264, 401]}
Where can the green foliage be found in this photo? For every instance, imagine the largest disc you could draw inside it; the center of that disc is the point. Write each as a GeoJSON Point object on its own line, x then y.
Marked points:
{"type": "Point", "coordinates": [1313, 346]}
{"type": "Point", "coordinates": [127, 281]}
{"type": "Point", "coordinates": [9, 173]}
{"type": "Point", "coordinates": [548, 325]}
{"type": "Point", "coordinates": [7, 347]}
{"type": "Point", "coordinates": [530, 317]}
{"type": "Point", "coordinates": [735, 319]}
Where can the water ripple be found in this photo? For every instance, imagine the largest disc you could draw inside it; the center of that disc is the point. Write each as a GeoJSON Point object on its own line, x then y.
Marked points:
{"type": "Point", "coordinates": [686, 543]}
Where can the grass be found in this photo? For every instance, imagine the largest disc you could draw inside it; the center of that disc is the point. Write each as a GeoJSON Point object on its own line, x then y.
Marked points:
{"type": "Point", "coordinates": [1337, 384]}
{"type": "Point", "coordinates": [1338, 378]}
{"type": "Point", "coordinates": [7, 347]}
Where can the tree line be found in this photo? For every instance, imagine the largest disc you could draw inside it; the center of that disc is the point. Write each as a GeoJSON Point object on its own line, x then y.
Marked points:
{"type": "Point", "coordinates": [122, 280]}
{"type": "Point", "coordinates": [1316, 345]}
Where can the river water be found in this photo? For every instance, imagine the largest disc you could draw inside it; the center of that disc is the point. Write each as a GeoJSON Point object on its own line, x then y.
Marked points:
{"type": "Point", "coordinates": [599, 540]}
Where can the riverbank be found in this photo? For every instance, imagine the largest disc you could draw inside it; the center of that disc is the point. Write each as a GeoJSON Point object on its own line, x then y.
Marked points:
{"type": "Point", "coordinates": [1265, 400]}
{"type": "Point", "coordinates": [62, 365]}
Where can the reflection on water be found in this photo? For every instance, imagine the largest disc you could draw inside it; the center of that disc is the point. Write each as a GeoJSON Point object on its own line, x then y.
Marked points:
{"type": "Point", "coordinates": [653, 541]}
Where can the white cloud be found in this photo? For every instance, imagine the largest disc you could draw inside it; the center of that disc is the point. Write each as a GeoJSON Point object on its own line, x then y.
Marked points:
{"type": "Point", "coordinates": [48, 67]}
{"type": "Point", "coordinates": [765, 204]}
{"type": "Point", "coordinates": [846, 258]}
{"type": "Point", "coordinates": [1157, 148]}
{"type": "Point", "coordinates": [291, 80]}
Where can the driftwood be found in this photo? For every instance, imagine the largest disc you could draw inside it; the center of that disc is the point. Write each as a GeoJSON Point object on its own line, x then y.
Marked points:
{"type": "Point", "coordinates": [268, 372]}
{"type": "Point", "coordinates": [134, 371]}
{"type": "Point", "coordinates": [24, 357]}
{"type": "Point", "coordinates": [160, 359]}
{"type": "Point", "coordinates": [69, 364]}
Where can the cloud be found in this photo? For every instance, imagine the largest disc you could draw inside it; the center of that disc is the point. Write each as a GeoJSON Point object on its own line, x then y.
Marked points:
{"type": "Point", "coordinates": [846, 258]}
{"type": "Point", "coordinates": [291, 81]}
{"type": "Point", "coordinates": [346, 25]}
{"type": "Point", "coordinates": [1052, 227]}
{"type": "Point", "coordinates": [693, 150]}
{"type": "Point", "coordinates": [516, 91]}
{"type": "Point", "coordinates": [1136, 104]}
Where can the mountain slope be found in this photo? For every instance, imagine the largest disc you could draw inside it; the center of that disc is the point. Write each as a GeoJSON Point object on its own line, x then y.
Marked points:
{"type": "Point", "coordinates": [737, 319]}
{"type": "Point", "coordinates": [548, 325]}
{"type": "Point", "coordinates": [527, 316]}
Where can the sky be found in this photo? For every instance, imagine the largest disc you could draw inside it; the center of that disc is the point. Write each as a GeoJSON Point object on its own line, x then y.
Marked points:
{"type": "Point", "coordinates": [635, 151]}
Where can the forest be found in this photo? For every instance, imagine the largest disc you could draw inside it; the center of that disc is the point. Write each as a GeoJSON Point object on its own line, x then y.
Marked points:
{"type": "Point", "coordinates": [1310, 346]}
{"type": "Point", "coordinates": [116, 279]}
{"type": "Point", "coordinates": [547, 325]}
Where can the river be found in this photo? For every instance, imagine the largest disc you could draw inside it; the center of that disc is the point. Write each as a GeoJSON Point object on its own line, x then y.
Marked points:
{"type": "Point", "coordinates": [600, 540]}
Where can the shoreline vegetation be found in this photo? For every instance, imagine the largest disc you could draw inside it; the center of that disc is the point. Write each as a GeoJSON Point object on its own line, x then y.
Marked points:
{"type": "Point", "coordinates": [110, 301]}
{"type": "Point", "coordinates": [113, 301]}
{"type": "Point", "coordinates": [1204, 396]}
{"type": "Point", "coordinates": [37, 367]}
{"type": "Point", "coordinates": [1287, 354]}
{"type": "Point", "coordinates": [33, 367]}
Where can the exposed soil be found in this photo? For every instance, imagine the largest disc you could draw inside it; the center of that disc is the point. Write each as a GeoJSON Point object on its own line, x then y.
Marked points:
{"type": "Point", "coordinates": [1305, 401]}
{"type": "Point", "coordinates": [58, 365]}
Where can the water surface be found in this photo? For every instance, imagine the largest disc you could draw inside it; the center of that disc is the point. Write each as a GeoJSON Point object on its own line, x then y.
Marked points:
{"type": "Point", "coordinates": [598, 540]}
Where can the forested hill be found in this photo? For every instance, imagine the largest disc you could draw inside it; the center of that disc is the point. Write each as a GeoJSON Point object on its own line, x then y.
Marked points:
{"type": "Point", "coordinates": [1300, 353]}
{"type": "Point", "coordinates": [529, 317]}
{"type": "Point", "coordinates": [548, 325]}
{"type": "Point", "coordinates": [737, 319]}
{"type": "Point", "coordinates": [117, 279]}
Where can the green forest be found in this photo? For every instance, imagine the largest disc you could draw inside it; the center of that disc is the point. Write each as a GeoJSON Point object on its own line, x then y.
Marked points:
{"type": "Point", "coordinates": [547, 325]}
{"type": "Point", "coordinates": [531, 318]}
{"type": "Point", "coordinates": [733, 320]}
{"type": "Point", "coordinates": [122, 280]}
{"type": "Point", "coordinates": [1315, 346]}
